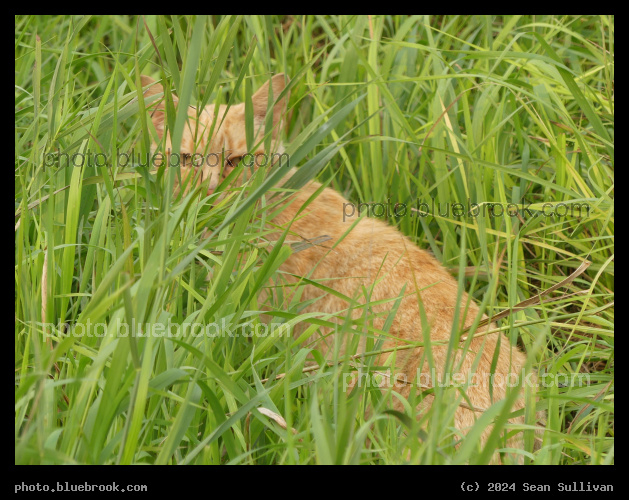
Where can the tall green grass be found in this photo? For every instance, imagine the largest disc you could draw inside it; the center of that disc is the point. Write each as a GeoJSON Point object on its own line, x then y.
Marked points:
{"type": "Point", "coordinates": [514, 109]}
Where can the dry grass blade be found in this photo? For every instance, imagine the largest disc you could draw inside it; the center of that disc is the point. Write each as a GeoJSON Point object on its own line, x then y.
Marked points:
{"type": "Point", "coordinates": [537, 299]}
{"type": "Point", "coordinates": [307, 243]}
{"type": "Point", "coordinates": [276, 418]}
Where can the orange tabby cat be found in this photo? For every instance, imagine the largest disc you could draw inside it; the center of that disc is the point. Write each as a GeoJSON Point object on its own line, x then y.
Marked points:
{"type": "Point", "coordinates": [373, 259]}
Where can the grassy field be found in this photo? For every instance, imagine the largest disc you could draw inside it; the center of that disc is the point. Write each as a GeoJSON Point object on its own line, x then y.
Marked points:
{"type": "Point", "coordinates": [515, 109]}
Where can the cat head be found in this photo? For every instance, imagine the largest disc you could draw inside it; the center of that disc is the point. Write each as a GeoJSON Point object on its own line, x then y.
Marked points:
{"type": "Point", "coordinates": [205, 154]}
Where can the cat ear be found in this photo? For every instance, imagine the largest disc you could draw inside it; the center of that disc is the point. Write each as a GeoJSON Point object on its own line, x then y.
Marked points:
{"type": "Point", "coordinates": [154, 89]}
{"type": "Point", "coordinates": [261, 98]}
{"type": "Point", "coordinates": [156, 108]}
